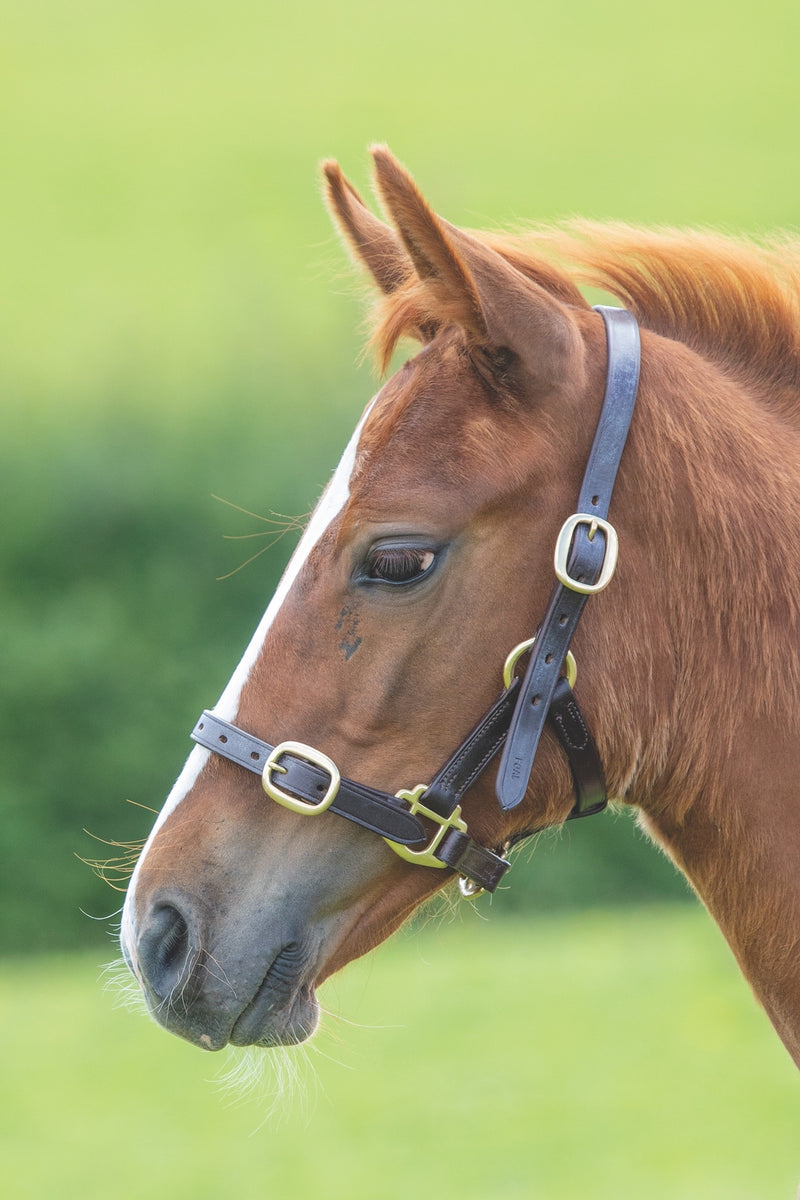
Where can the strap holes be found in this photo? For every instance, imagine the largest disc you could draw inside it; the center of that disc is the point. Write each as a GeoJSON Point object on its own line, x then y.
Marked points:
{"type": "Point", "coordinates": [536, 701]}
{"type": "Point", "coordinates": [201, 724]}
{"type": "Point", "coordinates": [548, 658]}
{"type": "Point", "coordinates": [255, 755]}
{"type": "Point", "coordinates": [562, 620]}
{"type": "Point", "coordinates": [223, 738]}
{"type": "Point", "coordinates": [595, 500]}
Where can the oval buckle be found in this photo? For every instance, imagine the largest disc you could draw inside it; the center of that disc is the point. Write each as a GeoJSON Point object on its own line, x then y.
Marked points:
{"type": "Point", "coordinates": [309, 755]}
{"type": "Point", "coordinates": [564, 543]}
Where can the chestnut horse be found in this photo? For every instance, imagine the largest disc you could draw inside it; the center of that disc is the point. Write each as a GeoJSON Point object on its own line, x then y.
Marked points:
{"type": "Point", "coordinates": [430, 556]}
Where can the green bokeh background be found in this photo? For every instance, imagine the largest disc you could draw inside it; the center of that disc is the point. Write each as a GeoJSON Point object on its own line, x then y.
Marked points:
{"type": "Point", "coordinates": [177, 321]}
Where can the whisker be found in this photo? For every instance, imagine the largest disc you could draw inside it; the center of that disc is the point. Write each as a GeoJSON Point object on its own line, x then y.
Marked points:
{"type": "Point", "coordinates": [274, 519]}
{"type": "Point", "coordinates": [272, 1078]}
{"type": "Point", "coordinates": [146, 807]}
{"type": "Point", "coordinates": [331, 1015]}
{"type": "Point", "coordinates": [247, 561]}
{"type": "Point", "coordinates": [222, 976]}
{"type": "Point", "coordinates": [244, 537]}
{"type": "Point", "coordinates": [118, 981]}
{"type": "Point", "coordinates": [106, 917]}
{"type": "Point", "coordinates": [117, 869]}
{"type": "Point", "coordinates": [281, 526]}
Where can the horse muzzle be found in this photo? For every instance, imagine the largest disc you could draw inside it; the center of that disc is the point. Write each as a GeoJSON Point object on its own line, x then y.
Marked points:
{"type": "Point", "coordinates": [212, 998]}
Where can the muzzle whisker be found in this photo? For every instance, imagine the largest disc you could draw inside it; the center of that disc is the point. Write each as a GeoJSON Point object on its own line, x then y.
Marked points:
{"type": "Point", "coordinates": [222, 976]}
{"type": "Point", "coordinates": [118, 981]}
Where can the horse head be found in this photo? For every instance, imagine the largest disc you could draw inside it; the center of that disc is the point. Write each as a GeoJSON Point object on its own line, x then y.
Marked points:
{"type": "Point", "coordinates": [427, 559]}
{"type": "Point", "coordinates": [430, 556]}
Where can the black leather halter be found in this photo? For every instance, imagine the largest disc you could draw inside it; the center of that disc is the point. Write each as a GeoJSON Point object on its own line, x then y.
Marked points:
{"type": "Point", "coordinates": [424, 824]}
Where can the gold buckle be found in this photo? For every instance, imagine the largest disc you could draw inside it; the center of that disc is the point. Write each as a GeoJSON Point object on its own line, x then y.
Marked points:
{"type": "Point", "coordinates": [425, 857]}
{"type": "Point", "coordinates": [564, 542]}
{"type": "Point", "coordinates": [570, 666]}
{"type": "Point", "coordinates": [309, 755]}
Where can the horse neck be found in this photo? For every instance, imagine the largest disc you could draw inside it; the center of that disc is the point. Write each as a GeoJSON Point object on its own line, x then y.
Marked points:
{"type": "Point", "coordinates": [718, 743]}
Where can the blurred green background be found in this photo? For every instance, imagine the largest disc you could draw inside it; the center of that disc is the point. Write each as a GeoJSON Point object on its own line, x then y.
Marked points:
{"type": "Point", "coordinates": [178, 322]}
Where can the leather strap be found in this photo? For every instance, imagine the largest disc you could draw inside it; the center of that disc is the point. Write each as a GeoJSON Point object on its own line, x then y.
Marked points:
{"type": "Point", "coordinates": [586, 559]}
{"type": "Point", "coordinates": [385, 814]}
{"type": "Point", "coordinates": [377, 811]}
{"type": "Point", "coordinates": [473, 756]}
{"type": "Point", "coordinates": [588, 778]}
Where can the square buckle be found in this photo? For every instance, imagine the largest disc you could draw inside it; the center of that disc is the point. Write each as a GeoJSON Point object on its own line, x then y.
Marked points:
{"type": "Point", "coordinates": [564, 544]}
{"type": "Point", "coordinates": [309, 755]}
{"type": "Point", "coordinates": [427, 856]}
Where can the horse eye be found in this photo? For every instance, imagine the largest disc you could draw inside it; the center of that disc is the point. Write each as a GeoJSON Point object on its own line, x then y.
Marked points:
{"type": "Point", "coordinates": [398, 564]}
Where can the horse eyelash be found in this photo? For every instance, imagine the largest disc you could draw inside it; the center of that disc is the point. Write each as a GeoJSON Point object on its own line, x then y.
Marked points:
{"type": "Point", "coordinates": [399, 564]}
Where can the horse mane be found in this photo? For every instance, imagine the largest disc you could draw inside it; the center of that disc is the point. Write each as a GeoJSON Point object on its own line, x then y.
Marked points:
{"type": "Point", "coordinates": [733, 301]}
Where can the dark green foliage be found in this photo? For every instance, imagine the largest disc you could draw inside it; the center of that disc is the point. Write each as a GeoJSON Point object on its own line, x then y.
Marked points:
{"type": "Point", "coordinates": [117, 632]}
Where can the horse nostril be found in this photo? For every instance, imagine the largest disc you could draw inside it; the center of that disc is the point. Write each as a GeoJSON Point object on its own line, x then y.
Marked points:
{"type": "Point", "coordinates": [165, 951]}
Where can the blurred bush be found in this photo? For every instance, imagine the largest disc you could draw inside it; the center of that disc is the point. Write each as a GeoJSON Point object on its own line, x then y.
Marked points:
{"type": "Point", "coordinates": [117, 631]}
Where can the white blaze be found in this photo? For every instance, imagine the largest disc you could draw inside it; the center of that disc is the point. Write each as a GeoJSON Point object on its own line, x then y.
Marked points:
{"type": "Point", "coordinates": [331, 504]}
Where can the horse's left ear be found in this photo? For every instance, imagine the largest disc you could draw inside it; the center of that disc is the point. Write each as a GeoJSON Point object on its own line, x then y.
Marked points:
{"type": "Point", "coordinates": [500, 309]}
{"type": "Point", "coordinates": [374, 243]}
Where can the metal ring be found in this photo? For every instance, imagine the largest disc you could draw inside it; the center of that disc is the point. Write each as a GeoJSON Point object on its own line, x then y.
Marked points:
{"type": "Point", "coordinates": [570, 666]}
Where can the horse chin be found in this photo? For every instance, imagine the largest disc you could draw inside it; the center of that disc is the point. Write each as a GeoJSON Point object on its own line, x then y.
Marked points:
{"type": "Point", "coordinates": [260, 1024]}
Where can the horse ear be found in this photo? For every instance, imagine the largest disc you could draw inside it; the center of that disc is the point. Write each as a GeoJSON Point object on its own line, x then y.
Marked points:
{"type": "Point", "coordinates": [375, 243]}
{"type": "Point", "coordinates": [498, 307]}
{"type": "Point", "coordinates": [430, 248]}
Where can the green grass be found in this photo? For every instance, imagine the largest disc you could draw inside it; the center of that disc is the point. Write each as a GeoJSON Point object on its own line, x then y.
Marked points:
{"type": "Point", "coordinates": [600, 1055]}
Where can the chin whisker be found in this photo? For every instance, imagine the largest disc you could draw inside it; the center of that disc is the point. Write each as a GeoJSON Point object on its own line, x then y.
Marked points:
{"type": "Point", "coordinates": [276, 1080]}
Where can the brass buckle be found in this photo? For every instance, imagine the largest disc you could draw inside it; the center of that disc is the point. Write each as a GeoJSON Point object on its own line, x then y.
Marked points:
{"type": "Point", "coordinates": [564, 542]}
{"type": "Point", "coordinates": [309, 755]}
{"type": "Point", "coordinates": [425, 857]}
{"type": "Point", "coordinates": [570, 666]}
